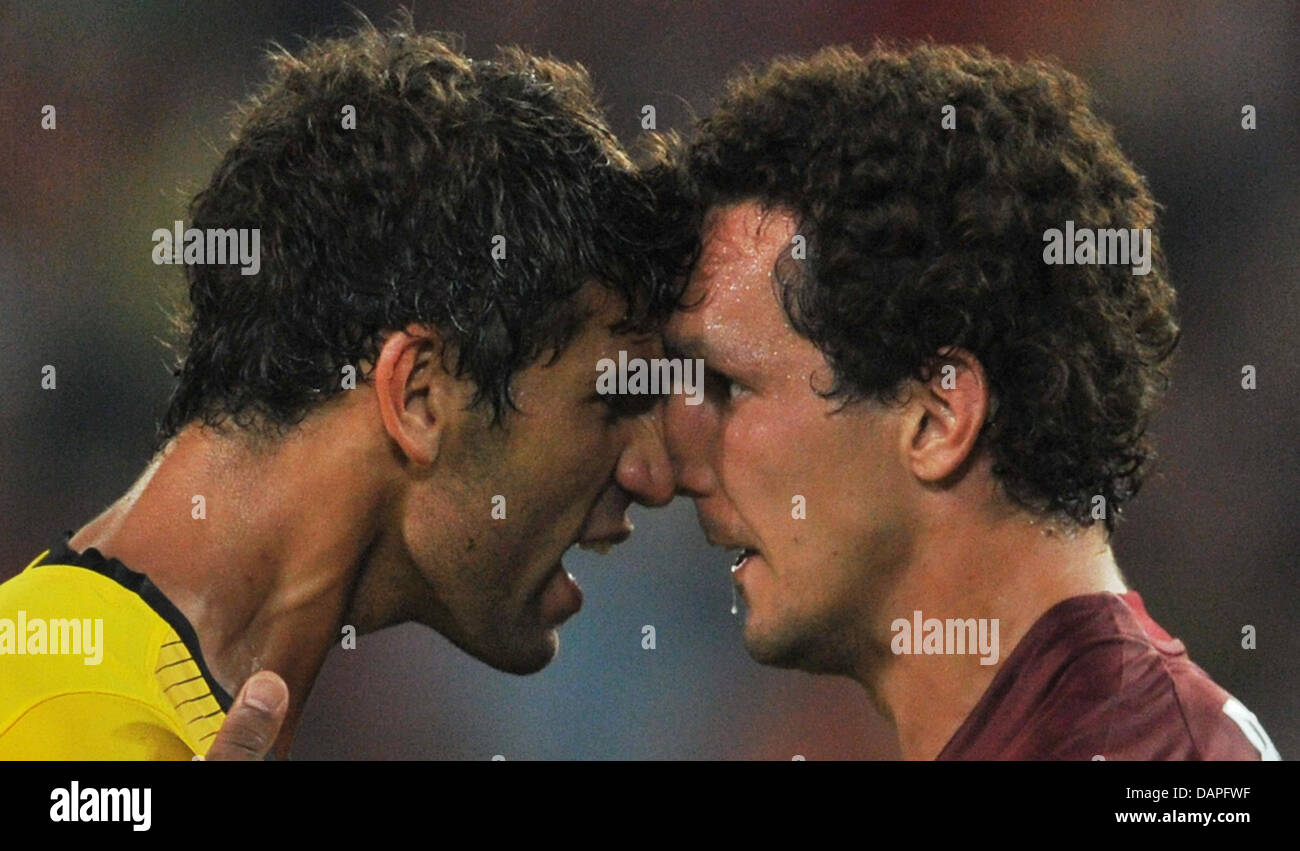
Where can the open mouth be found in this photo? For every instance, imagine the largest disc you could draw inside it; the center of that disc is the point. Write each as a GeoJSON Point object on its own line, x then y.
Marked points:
{"type": "Point", "coordinates": [561, 597]}
{"type": "Point", "coordinates": [742, 558]}
{"type": "Point", "coordinates": [601, 542]}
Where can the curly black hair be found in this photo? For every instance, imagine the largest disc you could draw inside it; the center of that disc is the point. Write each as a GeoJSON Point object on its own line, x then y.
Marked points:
{"type": "Point", "coordinates": [366, 230]}
{"type": "Point", "coordinates": [921, 238]}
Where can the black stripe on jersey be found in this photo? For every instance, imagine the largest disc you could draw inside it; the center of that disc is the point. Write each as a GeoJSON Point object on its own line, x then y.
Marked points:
{"type": "Point", "coordinates": [142, 587]}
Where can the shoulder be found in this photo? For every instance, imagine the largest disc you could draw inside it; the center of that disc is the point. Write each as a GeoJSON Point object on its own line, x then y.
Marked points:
{"type": "Point", "coordinates": [1115, 685]}
{"type": "Point", "coordinates": [76, 660]}
{"type": "Point", "coordinates": [90, 725]}
{"type": "Point", "coordinates": [1097, 678]}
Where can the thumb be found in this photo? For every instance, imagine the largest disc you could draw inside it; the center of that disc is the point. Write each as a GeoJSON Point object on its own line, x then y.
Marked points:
{"type": "Point", "coordinates": [254, 719]}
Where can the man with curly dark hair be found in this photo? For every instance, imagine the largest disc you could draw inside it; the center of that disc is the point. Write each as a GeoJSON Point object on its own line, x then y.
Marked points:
{"type": "Point", "coordinates": [925, 414]}
{"type": "Point", "coordinates": [392, 419]}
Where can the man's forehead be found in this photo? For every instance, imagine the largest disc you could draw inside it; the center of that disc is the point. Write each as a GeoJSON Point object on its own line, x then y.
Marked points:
{"type": "Point", "coordinates": [742, 234]}
{"type": "Point", "coordinates": [740, 244]}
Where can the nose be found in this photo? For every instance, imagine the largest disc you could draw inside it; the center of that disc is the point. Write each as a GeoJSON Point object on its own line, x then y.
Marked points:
{"type": "Point", "coordinates": [688, 435]}
{"type": "Point", "coordinates": [644, 470]}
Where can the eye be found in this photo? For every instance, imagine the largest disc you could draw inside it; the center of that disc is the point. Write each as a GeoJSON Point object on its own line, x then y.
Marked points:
{"type": "Point", "coordinates": [722, 387]}
{"type": "Point", "coordinates": [734, 389]}
{"type": "Point", "coordinates": [619, 406]}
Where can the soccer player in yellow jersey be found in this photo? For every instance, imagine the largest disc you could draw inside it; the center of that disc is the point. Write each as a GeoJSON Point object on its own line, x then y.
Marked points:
{"type": "Point", "coordinates": [389, 417]}
{"type": "Point", "coordinates": [149, 697]}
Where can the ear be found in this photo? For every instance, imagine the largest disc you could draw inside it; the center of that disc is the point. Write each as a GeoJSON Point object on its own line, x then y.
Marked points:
{"type": "Point", "coordinates": [416, 394]}
{"type": "Point", "coordinates": [945, 415]}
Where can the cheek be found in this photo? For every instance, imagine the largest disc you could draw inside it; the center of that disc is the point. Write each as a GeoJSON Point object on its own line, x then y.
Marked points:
{"type": "Point", "coordinates": [781, 471]}
{"type": "Point", "coordinates": [554, 483]}
{"type": "Point", "coordinates": [556, 454]}
{"type": "Point", "coordinates": [760, 445]}
{"type": "Point", "coordinates": [812, 488]}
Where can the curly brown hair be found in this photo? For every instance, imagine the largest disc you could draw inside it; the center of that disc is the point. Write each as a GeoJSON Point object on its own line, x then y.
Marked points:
{"type": "Point", "coordinates": [365, 230]}
{"type": "Point", "coordinates": [922, 238]}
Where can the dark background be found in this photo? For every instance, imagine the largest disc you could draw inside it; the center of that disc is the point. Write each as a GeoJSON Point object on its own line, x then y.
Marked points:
{"type": "Point", "coordinates": [143, 91]}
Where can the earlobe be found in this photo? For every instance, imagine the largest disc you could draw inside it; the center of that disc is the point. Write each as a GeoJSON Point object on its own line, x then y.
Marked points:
{"type": "Point", "coordinates": [408, 392]}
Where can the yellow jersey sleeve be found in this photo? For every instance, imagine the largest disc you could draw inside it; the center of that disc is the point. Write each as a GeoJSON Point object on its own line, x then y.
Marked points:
{"type": "Point", "coordinates": [95, 664]}
{"type": "Point", "coordinates": [92, 725]}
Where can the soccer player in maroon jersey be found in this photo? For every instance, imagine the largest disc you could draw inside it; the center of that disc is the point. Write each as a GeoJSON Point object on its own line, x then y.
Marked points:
{"type": "Point", "coordinates": [921, 425]}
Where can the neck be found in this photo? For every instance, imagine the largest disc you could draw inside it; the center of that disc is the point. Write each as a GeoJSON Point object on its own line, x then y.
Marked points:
{"type": "Point", "coordinates": [1012, 570]}
{"type": "Point", "coordinates": [264, 583]}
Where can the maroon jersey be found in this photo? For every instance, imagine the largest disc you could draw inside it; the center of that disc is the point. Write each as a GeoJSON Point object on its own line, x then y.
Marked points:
{"type": "Point", "coordinates": [1096, 678]}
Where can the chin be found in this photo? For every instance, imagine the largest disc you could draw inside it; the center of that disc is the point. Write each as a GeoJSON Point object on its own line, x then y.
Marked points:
{"type": "Point", "coordinates": [766, 651]}
{"type": "Point", "coordinates": [800, 648]}
{"type": "Point", "coordinates": [524, 652]}
{"type": "Point", "coordinates": [523, 656]}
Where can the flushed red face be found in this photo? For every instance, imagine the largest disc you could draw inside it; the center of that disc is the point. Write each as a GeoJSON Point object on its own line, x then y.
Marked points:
{"type": "Point", "coordinates": [812, 490]}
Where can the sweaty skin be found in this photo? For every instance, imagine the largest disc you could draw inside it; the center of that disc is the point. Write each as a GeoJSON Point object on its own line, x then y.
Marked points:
{"type": "Point", "coordinates": [902, 510]}
{"type": "Point", "coordinates": [377, 510]}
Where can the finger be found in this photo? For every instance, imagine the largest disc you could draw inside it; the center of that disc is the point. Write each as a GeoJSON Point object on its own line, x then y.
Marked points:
{"type": "Point", "coordinates": [254, 719]}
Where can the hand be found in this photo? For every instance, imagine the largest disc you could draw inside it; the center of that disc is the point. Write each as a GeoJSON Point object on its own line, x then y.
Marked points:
{"type": "Point", "coordinates": [254, 719]}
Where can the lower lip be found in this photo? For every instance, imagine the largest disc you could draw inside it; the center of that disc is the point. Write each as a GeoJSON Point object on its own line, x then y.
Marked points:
{"type": "Point", "coordinates": [561, 598]}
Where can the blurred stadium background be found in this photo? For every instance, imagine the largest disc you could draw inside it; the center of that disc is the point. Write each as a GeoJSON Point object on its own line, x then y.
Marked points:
{"type": "Point", "coordinates": [143, 90]}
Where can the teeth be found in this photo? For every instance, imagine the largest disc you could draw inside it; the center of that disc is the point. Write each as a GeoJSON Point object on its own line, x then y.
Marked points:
{"type": "Point", "coordinates": [600, 547]}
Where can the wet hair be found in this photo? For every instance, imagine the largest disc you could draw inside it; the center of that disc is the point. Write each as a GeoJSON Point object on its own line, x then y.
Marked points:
{"type": "Point", "coordinates": [921, 238]}
{"type": "Point", "coordinates": [366, 230]}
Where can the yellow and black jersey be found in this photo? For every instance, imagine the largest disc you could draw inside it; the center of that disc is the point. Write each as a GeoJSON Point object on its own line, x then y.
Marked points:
{"type": "Point", "coordinates": [96, 664]}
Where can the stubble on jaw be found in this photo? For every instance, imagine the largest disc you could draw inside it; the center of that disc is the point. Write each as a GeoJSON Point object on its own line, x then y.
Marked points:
{"type": "Point", "coordinates": [849, 640]}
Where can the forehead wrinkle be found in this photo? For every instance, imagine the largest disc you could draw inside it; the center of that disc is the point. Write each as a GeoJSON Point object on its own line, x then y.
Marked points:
{"type": "Point", "coordinates": [728, 237]}
{"type": "Point", "coordinates": [742, 244]}
{"type": "Point", "coordinates": [745, 233]}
